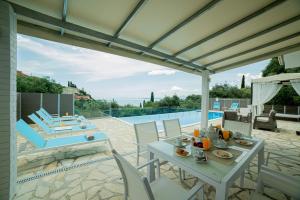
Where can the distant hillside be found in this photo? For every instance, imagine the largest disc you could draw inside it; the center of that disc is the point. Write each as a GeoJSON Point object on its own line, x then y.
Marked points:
{"type": "Point", "coordinates": [26, 83]}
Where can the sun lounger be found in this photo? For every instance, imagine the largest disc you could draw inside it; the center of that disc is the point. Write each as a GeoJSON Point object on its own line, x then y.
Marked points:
{"type": "Point", "coordinates": [53, 130]}
{"type": "Point", "coordinates": [39, 142]}
{"type": "Point", "coordinates": [53, 122]}
{"type": "Point", "coordinates": [64, 118]}
{"type": "Point", "coordinates": [234, 106]}
{"type": "Point", "coordinates": [216, 105]}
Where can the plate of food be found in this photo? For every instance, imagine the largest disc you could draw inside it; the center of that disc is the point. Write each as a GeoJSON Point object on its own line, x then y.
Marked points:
{"type": "Point", "coordinates": [222, 154]}
{"type": "Point", "coordinates": [182, 152]}
{"type": "Point", "coordinates": [244, 142]}
{"type": "Point", "coordinates": [185, 139]}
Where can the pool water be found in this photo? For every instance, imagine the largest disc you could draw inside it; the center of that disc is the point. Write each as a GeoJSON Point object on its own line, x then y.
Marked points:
{"type": "Point", "coordinates": [185, 118]}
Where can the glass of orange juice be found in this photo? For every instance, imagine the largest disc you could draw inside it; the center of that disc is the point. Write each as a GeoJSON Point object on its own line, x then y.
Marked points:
{"type": "Point", "coordinates": [225, 134]}
{"type": "Point", "coordinates": [196, 132]}
{"type": "Point", "coordinates": [206, 143]}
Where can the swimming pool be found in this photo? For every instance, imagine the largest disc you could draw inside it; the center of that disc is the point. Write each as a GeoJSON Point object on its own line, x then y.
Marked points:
{"type": "Point", "coordinates": [185, 118]}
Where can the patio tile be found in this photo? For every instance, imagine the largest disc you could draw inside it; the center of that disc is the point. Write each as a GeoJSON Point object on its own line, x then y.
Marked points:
{"type": "Point", "coordinates": [102, 180]}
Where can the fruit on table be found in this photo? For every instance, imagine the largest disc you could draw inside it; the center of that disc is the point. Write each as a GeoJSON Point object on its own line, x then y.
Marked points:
{"type": "Point", "coordinates": [181, 152]}
{"type": "Point", "coordinates": [198, 144]}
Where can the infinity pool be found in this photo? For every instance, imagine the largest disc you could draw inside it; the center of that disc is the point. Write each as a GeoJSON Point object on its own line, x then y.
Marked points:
{"type": "Point", "coordinates": [185, 118]}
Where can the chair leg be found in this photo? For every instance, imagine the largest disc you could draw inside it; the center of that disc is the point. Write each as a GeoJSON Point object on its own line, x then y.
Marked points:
{"type": "Point", "coordinates": [267, 159]}
{"type": "Point", "coordinates": [137, 158]}
{"type": "Point", "coordinates": [180, 175]}
{"type": "Point", "coordinates": [183, 174]}
{"type": "Point", "coordinates": [242, 179]}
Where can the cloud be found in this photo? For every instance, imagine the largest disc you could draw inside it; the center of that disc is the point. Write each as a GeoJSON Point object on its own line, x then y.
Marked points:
{"type": "Point", "coordinates": [161, 72]}
{"type": "Point", "coordinates": [89, 64]}
{"type": "Point", "coordinates": [176, 88]}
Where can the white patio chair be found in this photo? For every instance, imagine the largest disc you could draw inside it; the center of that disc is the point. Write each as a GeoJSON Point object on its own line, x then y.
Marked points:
{"type": "Point", "coordinates": [137, 187]}
{"type": "Point", "coordinates": [237, 126]}
{"type": "Point", "coordinates": [279, 156]}
{"type": "Point", "coordinates": [288, 185]}
{"type": "Point", "coordinates": [172, 128]}
{"type": "Point", "coordinates": [145, 133]}
{"type": "Point", "coordinates": [245, 129]}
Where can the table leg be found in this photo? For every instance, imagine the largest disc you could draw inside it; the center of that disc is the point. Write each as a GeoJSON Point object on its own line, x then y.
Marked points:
{"type": "Point", "coordinates": [260, 160]}
{"type": "Point", "coordinates": [221, 192]}
{"type": "Point", "coordinates": [151, 168]}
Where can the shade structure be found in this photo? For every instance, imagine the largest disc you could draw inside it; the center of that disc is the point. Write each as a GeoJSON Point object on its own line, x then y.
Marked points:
{"type": "Point", "coordinates": [188, 35]}
{"type": "Point", "coordinates": [264, 89]}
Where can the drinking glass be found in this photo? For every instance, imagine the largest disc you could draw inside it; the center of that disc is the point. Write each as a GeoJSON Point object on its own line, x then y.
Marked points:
{"type": "Point", "coordinates": [206, 143]}
{"type": "Point", "coordinates": [196, 132]}
{"type": "Point", "coordinates": [225, 134]}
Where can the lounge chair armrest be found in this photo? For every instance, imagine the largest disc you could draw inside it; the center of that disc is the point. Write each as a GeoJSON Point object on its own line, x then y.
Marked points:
{"type": "Point", "coordinates": [150, 162]}
{"type": "Point", "coordinates": [195, 189]}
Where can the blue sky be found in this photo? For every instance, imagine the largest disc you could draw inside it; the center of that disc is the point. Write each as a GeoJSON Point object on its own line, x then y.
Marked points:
{"type": "Point", "coordinates": [108, 76]}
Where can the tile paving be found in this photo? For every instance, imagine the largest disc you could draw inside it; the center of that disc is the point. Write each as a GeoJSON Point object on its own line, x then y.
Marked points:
{"type": "Point", "coordinates": [102, 179]}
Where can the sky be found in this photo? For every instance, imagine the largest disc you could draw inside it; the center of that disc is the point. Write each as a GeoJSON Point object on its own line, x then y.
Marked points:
{"type": "Point", "coordinates": [108, 76]}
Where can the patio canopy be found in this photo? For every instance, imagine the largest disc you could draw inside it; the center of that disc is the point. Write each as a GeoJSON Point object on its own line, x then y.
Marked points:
{"type": "Point", "coordinates": [187, 35]}
{"type": "Point", "coordinates": [264, 89]}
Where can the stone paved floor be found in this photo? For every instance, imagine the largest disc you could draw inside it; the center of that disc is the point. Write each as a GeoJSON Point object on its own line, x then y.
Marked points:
{"type": "Point", "coordinates": [102, 180]}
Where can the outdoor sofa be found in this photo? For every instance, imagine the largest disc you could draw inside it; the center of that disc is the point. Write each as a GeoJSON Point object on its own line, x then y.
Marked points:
{"type": "Point", "coordinates": [267, 122]}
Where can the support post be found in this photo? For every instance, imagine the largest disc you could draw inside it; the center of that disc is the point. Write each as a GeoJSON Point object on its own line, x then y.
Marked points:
{"type": "Point", "coordinates": [8, 62]}
{"type": "Point", "coordinates": [205, 99]}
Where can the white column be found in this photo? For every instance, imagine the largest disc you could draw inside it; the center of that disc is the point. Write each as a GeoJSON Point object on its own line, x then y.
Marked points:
{"type": "Point", "coordinates": [205, 99]}
{"type": "Point", "coordinates": [8, 62]}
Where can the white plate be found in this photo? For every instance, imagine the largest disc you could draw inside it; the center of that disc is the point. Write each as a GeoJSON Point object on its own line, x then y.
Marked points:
{"type": "Point", "coordinates": [221, 146]}
{"type": "Point", "coordinates": [244, 142]}
{"type": "Point", "coordinates": [222, 153]}
{"type": "Point", "coordinates": [182, 155]}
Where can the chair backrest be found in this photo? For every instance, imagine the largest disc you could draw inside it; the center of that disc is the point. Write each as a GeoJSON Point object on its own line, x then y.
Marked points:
{"type": "Point", "coordinates": [216, 105]}
{"type": "Point", "coordinates": [146, 133]}
{"type": "Point", "coordinates": [272, 114]}
{"type": "Point", "coordinates": [172, 127]}
{"type": "Point", "coordinates": [286, 184]}
{"type": "Point", "coordinates": [136, 187]}
{"type": "Point", "coordinates": [30, 134]}
{"type": "Point", "coordinates": [46, 113]}
{"type": "Point", "coordinates": [245, 111]}
{"type": "Point", "coordinates": [45, 117]}
{"type": "Point", "coordinates": [234, 106]}
{"type": "Point", "coordinates": [237, 126]}
{"type": "Point", "coordinates": [39, 122]}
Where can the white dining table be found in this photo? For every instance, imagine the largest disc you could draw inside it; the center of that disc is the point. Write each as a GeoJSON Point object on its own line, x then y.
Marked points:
{"type": "Point", "coordinates": [219, 175]}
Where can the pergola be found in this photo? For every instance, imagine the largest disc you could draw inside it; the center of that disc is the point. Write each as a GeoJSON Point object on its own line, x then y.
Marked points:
{"type": "Point", "coordinates": [199, 37]}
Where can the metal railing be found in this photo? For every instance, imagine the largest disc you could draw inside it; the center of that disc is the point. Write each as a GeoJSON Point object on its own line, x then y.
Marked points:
{"type": "Point", "coordinates": [294, 110]}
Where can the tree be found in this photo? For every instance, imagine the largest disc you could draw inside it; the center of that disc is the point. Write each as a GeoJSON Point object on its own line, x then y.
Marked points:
{"type": "Point", "coordinates": [144, 102]}
{"type": "Point", "coordinates": [273, 68]}
{"type": "Point", "coordinates": [228, 91]}
{"type": "Point", "coordinates": [36, 84]}
{"type": "Point", "coordinates": [152, 97]}
{"type": "Point", "coordinates": [140, 105]}
{"type": "Point", "coordinates": [243, 82]}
